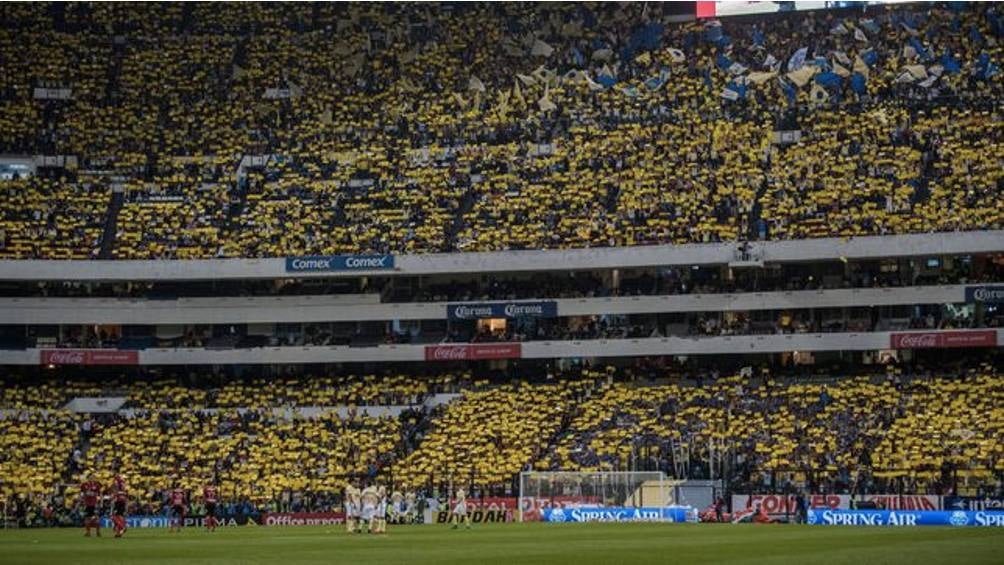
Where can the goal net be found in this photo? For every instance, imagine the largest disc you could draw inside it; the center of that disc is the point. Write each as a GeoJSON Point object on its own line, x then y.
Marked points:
{"type": "Point", "coordinates": [542, 491]}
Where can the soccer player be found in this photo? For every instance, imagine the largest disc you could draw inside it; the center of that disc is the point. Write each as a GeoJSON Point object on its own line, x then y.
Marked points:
{"type": "Point", "coordinates": [209, 497]}
{"type": "Point", "coordinates": [410, 508]}
{"type": "Point", "coordinates": [381, 513]}
{"type": "Point", "coordinates": [396, 507]}
{"type": "Point", "coordinates": [90, 490]}
{"type": "Point", "coordinates": [369, 508]}
{"type": "Point", "coordinates": [351, 508]}
{"type": "Point", "coordinates": [120, 498]}
{"type": "Point", "coordinates": [177, 498]}
{"type": "Point", "coordinates": [460, 510]}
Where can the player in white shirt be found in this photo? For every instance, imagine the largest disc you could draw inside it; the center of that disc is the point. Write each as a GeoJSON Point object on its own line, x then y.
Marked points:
{"type": "Point", "coordinates": [410, 508]}
{"type": "Point", "coordinates": [460, 510]}
{"type": "Point", "coordinates": [351, 508]}
{"type": "Point", "coordinates": [381, 512]}
{"type": "Point", "coordinates": [396, 508]}
{"type": "Point", "coordinates": [370, 501]}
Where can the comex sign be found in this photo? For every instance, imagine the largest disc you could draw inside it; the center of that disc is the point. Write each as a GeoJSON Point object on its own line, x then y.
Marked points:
{"type": "Point", "coordinates": [321, 263]}
{"type": "Point", "coordinates": [957, 518]}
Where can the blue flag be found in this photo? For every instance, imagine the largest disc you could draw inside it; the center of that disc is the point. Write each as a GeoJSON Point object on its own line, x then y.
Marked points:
{"type": "Point", "coordinates": [950, 63]}
{"type": "Point", "coordinates": [828, 79]}
{"type": "Point", "coordinates": [713, 33]}
{"type": "Point", "coordinates": [995, 24]}
{"type": "Point", "coordinates": [919, 48]}
{"type": "Point", "coordinates": [739, 89]}
{"type": "Point", "coordinates": [797, 61]}
{"type": "Point", "coordinates": [723, 62]}
{"type": "Point", "coordinates": [870, 57]}
{"type": "Point", "coordinates": [858, 83]}
{"type": "Point", "coordinates": [790, 92]}
{"type": "Point", "coordinates": [869, 25]}
{"type": "Point", "coordinates": [656, 82]}
{"type": "Point", "coordinates": [974, 35]}
{"type": "Point", "coordinates": [985, 68]}
{"type": "Point", "coordinates": [757, 38]}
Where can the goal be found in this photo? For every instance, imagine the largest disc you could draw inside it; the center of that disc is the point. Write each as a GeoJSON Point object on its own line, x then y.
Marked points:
{"type": "Point", "coordinates": [562, 489]}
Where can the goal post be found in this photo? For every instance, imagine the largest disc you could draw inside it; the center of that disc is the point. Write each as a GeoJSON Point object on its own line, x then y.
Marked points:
{"type": "Point", "coordinates": [539, 490]}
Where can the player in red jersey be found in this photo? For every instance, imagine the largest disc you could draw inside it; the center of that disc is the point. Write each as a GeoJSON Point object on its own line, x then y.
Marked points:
{"type": "Point", "coordinates": [177, 508]}
{"type": "Point", "coordinates": [209, 497]}
{"type": "Point", "coordinates": [90, 490]}
{"type": "Point", "coordinates": [120, 498]}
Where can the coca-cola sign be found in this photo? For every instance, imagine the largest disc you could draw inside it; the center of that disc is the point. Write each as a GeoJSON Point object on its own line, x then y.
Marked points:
{"type": "Point", "coordinates": [926, 340]}
{"type": "Point", "coordinates": [473, 352]}
{"type": "Point", "coordinates": [88, 357]}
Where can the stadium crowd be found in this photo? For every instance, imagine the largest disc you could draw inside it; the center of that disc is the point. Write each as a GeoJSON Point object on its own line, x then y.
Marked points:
{"type": "Point", "coordinates": [202, 131]}
{"type": "Point", "coordinates": [269, 446]}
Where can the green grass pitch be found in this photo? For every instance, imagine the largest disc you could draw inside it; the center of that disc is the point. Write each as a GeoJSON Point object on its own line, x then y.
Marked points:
{"type": "Point", "coordinates": [578, 544]}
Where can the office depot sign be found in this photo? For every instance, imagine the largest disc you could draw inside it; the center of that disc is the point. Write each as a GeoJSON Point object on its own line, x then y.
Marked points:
{"type": "Point", "coordinates": [88, 357]}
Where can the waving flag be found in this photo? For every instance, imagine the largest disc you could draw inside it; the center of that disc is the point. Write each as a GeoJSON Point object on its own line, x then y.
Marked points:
{"type": "Point", "coordinates": [829, 79]}
{"type": "Point", "coordinates": [606, 77]}
{"type": "Point", "coordinates": [723, 62]}
{"type": "Point", "coordinates": [818, 95]}
{"type": "Point", "coordinates": [789, 92]}
{"type": "Point", "coordinates": [869, 25]}
{"type": "Point", "coordinates": [760, 78]}
{"type": "Point", "coordinates": [951, 64]}
{"type": "Point", "coordinates": [860, 67]}
{"type": "Point", "coordinates": [858, 83]}
{"type": "Point", "coordinates": [919, 48]}
{"type": "Point", "coordinates": [771, 63]}
{"type": "Point", "coordinates": [541, 49]}
{"type": "Point", "coordinates": [802, 76]}
{"type": "Point", "coordinates": [656, 82]}
{"type": "Point", "coordinates": [475, 84]}
{"type": "Point", "coordinates": [602, 55]}
{"type": "Point", "coordinates": [974, 35]}
{"type": "Point", "coordinates": [917, 71]}
{"type": "Point", "coordinates": [676, 55]}
{"type": "Point", "coordinates": [797, 61]}
{"type": "Point", "coordinates": [985, 68]}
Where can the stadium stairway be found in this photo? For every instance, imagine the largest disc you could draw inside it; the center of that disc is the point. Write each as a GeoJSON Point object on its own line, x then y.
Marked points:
{"type": "Point", "coordinates": [111, 224]}
{"type": "Point", "coordinates": [466, 204]}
